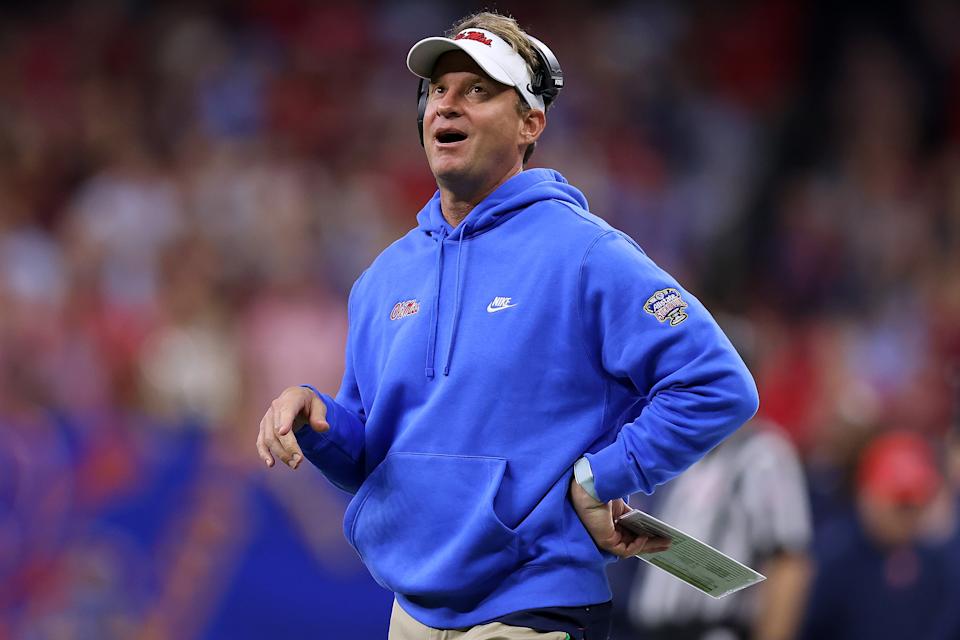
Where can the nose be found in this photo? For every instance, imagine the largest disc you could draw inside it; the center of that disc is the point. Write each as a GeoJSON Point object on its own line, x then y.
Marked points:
{"type": "Point", "coordinates": [447, 105]}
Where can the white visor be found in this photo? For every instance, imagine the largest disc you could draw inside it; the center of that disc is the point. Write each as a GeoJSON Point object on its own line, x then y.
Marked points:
{"type": "Point", "coordinates": [490, 51]}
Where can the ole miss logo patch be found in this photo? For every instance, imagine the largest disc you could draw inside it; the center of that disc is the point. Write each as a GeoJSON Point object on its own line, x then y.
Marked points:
{"type": "Point", "coordinates": [404, 309]}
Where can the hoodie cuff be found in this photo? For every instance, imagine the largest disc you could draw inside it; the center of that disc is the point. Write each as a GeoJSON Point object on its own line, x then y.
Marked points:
{"type": "Point", "coordinates": [307, 438]}
{"type": "Point", "coordinates": [614, 475]}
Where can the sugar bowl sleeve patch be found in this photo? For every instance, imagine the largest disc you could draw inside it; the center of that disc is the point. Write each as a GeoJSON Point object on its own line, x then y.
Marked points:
{"type": "Point", "coordinates": [666, 304]}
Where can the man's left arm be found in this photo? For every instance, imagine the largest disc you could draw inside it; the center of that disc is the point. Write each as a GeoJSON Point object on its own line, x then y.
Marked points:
{"type": "Point", "coordinates": [644, 329]}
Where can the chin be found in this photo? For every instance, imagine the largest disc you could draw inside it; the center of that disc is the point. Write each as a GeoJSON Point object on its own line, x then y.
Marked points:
{"type": "Point", "coordinates": [446, 170]}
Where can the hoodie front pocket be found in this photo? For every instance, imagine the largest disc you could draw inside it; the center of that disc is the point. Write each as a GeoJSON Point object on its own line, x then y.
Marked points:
{"type": "Point", "coordinates": [424, 525]}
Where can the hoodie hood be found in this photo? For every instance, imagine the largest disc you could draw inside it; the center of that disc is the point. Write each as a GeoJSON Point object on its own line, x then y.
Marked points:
{"type": "Point", "coordinates": [513, 196]}
{"type": "Point", "coordinates": [519, 192]}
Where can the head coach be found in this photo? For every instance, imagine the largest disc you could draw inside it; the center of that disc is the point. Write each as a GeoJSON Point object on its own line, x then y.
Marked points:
{"type": "Point", "coordinates": [515, 366]}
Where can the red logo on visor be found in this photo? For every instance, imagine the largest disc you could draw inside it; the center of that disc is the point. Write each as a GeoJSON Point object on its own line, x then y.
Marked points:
{"type": "Point", "coordinates": [474, 35]}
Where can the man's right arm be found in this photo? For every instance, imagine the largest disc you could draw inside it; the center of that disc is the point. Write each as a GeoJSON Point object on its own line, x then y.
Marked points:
{"type": "Point", "coordinates": [339, 451]}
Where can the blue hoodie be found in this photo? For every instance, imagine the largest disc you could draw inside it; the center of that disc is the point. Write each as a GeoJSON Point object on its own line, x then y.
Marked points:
{"type": "Point", "coordinates": [482, 362]}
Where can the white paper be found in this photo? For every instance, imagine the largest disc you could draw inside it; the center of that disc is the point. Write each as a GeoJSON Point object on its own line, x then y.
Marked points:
{"type": "Point", "coordinates": [690, 560]}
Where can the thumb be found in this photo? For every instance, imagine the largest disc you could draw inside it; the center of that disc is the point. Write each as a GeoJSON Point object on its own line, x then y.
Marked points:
{"type": "Point", "coordinates": [318, 416]}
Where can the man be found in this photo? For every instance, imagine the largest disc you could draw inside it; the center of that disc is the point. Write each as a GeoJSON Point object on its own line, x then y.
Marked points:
{"type": "Point", "coordinates": [508, 337]}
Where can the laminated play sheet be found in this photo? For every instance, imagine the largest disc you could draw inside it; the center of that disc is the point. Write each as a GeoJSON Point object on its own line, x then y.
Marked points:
{"type": "Point", "coordinates": [690, 560]}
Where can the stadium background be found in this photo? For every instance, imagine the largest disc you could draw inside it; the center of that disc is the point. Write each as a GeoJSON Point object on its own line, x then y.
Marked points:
{"type": "Point", "coordinates": [188, 189]}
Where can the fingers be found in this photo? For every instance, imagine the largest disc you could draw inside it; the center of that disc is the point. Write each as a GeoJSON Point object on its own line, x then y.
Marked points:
{"type": "Point", "coordinates": [283, 417]}
{"type": "Point", "coordinates": [657, 544]}
{"type": "Point", "coordinates": [262, 447]}
{"type": "Point", "coordinates": [292, 408]}
{"type": "Point", "coordinates": [645, 544]}
{"type": "Point", "coordinates": [292, 455]}
{"type": "Point", "coordinates": [277, 407]}
{"type": "Point", "coordinates": [635, 548]}
{"type": "Point", "coordinates": [618, 508]}
{"type": "Point", "coordinates": [273, 445]}
{"type": "Point", "coordinates": [318, 415]}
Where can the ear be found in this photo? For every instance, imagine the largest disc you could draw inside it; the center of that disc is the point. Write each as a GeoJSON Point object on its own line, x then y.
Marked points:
{"type": "Point", "coordinates": [531, 126]}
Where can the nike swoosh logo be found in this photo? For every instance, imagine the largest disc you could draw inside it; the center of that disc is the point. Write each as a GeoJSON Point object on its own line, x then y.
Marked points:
{"type": "Point", "coordinates": [493, 309]}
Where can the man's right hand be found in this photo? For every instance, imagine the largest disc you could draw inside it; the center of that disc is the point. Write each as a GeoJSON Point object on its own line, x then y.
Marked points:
{"type": "Point", "coordinates": [289, 412]}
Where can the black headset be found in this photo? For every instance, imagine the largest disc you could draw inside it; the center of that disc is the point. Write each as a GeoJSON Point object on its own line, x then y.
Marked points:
{"type": "Point", "coordinates": [547, 82]}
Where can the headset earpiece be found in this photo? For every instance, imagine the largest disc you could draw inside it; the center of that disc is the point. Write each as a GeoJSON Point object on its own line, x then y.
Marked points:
{"type": "Point", "coordinates": [422, 89]}
{"type": "Point", "coordinates": [548, 81]}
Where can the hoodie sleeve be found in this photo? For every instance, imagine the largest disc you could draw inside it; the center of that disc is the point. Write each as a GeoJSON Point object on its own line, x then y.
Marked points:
{"type": "Point", "coordinates": [646, 331]}
{"type": "Point", "coordinates": [339, 453]}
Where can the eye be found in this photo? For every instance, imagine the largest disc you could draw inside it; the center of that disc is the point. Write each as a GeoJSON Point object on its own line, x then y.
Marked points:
{"type": "Point", "coordinates": [477, 88]}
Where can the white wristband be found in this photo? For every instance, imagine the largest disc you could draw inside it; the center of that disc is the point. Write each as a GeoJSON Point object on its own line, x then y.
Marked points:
{"type": "Point", "coordinates": [584, 475]}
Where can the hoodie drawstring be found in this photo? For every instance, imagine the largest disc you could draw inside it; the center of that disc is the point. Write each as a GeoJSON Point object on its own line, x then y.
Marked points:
{"type": "Point", "coordinates": [519, 192]}
{"type": "Point", "coordinates": [456, 305]}
{"type": "Point", "coordinates": [435, 311]}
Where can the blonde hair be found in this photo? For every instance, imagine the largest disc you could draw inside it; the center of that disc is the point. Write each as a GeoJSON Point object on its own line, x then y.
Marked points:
{"type": "Point", "coordinates": [507, 28]}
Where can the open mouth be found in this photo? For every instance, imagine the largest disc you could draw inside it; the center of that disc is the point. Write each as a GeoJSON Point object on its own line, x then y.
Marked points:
{"type": "Point", "coordinates": [450, 137]}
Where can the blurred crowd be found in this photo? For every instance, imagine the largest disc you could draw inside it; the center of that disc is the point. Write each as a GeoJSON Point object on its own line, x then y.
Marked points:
{"type": "Point", "coordinates": [188, 190]}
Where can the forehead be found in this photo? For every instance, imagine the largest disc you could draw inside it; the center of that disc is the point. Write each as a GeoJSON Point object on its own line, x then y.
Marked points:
{"type": "Point", "coordinates": [457, 62]}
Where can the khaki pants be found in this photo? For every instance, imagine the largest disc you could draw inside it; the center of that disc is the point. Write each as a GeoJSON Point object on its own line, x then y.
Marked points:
{"type": "Point", "coordinates": [404, 627]}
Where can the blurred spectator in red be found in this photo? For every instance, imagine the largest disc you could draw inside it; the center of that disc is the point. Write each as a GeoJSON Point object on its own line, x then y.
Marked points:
{"type": "Point", "coordinates": [875, 578]}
